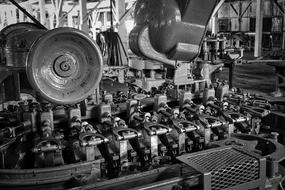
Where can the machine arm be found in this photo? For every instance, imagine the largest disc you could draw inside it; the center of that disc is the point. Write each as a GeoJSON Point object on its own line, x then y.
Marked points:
{"type": "Point", "coordinates": [176, 27]}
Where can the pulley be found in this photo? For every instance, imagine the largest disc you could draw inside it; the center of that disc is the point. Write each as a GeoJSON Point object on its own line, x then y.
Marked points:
{"type": "Point", "coordinates": [64, 66]}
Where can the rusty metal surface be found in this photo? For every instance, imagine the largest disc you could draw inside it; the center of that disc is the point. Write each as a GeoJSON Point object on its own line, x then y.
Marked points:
{"type": "Point", "coordinates": [15, 45]}
{"type": "Point", "coordinates": [18, 45]}
{"type": "Point", "coordinates": [64, 66]}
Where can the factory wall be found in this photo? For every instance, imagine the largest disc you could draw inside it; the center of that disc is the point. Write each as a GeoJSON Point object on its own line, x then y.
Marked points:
{"type": "Point", "coordinates": [240, 16]}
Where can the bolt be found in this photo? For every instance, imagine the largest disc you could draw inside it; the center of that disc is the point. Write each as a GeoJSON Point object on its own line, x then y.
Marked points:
{"type": "Point", "coordinates": [275, 136]}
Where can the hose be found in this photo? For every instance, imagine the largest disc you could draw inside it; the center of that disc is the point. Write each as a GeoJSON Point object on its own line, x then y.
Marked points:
{"type": "Point", "coordinates": [111, 47]}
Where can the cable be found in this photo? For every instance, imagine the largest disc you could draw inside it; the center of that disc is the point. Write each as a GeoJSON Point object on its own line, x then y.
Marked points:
{"type": "Point", "coordinates": [66, 14]}
{"type": "Point", "coordinates": [111, 47]}
{"type": "Point", "coordinates": [281, 186]}
{"type": "Point", "coordinates": [280, 183]}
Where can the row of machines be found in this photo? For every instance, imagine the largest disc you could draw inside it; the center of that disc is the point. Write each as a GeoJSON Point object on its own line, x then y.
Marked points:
{"type": "Point", "coordinates": [60, 128]}
{"type": "Point", "coordinates": [103, 143]}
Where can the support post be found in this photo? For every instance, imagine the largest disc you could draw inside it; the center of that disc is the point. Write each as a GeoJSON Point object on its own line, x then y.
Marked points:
{"type": "Point", "coordinates": [215, 24]}
{"type": "Point", "coordinates": [3, 17]}
{"type": "Point", "coordinates": [21, 15]}
{"type": "Point", "coordinates": [29, 9]}
{"type": "Point", "coordinates": [258, 29]}
{"type": "Point", "coordinates": [240, 16]}
{"type": "Point", "coordinates": [9, 16]}
{"type": "Point", "coordinates": [122, 30]}
{"type": "Point", "coordinates": [69, 20]}
{"type": "Point", "coordinates": [283, 27]}
{"type": "Point", "coordinates": [82, 13]}
{"type": "Point", "coordinates": [42, 4]}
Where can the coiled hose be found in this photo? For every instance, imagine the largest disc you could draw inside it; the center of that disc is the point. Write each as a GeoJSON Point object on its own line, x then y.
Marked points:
{"type": "Point", "coordinates": [111, 47]}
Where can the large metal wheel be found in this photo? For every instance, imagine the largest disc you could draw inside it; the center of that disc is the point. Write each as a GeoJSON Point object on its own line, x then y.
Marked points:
{"type": "Point", "coordinates": [18, 27]}
{"type": "Point", "coordinates": [64, 66]}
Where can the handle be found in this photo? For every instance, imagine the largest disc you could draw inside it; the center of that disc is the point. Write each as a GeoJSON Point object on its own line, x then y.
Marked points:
{"type": "Point", "coordinates": [190, 126]}
{"type": "Point", "coordinates": [237, 117]}
{"type": "Point", "coordinates": [205, 121]}
{"type": "Point", "coordinates": [157, 129]}
{"type": "Point", "coordinates": [11, 131]}
{"type": "Point", "coordinates": [94, 139]}
{"type": "Point", "coordinates": [41, 146]}
{"type": "Point", "coordinates": [257, 112]}
{"type": "Point", "coordinates": [130, 133]}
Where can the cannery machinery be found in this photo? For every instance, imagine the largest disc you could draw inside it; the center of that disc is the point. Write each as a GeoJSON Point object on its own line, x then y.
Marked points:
{"type": "Point", "coordinates": [60, 128]}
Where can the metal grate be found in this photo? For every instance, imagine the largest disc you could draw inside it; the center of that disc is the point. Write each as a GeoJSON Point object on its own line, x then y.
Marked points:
{"type": "Point", "coordinates": [227, 167]}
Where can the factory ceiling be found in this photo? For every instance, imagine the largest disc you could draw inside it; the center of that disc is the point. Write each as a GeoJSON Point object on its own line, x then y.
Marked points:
{"type": "Point", "coordinates": [34, 1]}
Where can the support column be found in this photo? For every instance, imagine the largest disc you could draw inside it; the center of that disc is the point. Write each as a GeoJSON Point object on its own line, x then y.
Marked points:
{"type": "Point", "coordinates": [21, 15]}
{"type": "Point", "coordinates": [69, 19]}
{"type": "Point", "coordinates": [1, 27]}
{"type": "Point", "coordinates": [82, 15]}
{"type": "Point", "coordinates": [94, 32]}
{"type": "Point", "coordinates": [215, 24]}
{"type": "Point", "coordinates": [258, 29]}
{"type": "Point", "coordinates": [42, 4]}
{"type": "Point", "coordinates": [283, 29]}
{"type": "Point", "coordinates": [240, 16]}
{"type": "Point", "coordinates": [9, 15]}
{"type": "Point", "coordinates": [58, 11]}
{"type": "Point", "coordinates": [51, 20]}
{"type": "Point", "coordinates": [29, 9]}
{"type": "Point", "coordinates": [3, 17]}
{"type": "Point", "coordinates": [122, 30]}
{"type": "Point", "coordinates": [13, 15]}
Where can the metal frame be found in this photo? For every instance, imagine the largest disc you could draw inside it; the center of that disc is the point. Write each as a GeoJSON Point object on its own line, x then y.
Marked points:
{"type": "Point", "coordinates": [28, 14]}
{"type": "Point", "coordinates": [206, 178]}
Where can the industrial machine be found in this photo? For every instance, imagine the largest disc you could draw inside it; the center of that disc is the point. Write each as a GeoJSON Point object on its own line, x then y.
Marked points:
{"type": "Point", "coordinates": [61, 129]}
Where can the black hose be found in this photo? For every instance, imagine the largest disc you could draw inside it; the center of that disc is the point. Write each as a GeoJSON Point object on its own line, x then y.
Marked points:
{"type": "Point", "coordinates": [111, 47]}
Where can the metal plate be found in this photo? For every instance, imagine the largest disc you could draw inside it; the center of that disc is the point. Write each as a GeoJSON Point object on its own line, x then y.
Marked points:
{"type": "Point", "coordinates": [64, 66]}
{"type": "Point", "coordinates": [227, 167]}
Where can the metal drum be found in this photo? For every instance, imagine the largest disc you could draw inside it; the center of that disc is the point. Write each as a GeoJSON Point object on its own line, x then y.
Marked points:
{"type": "Point", "coordinates": [14, 47]}
{"type": "Point", "coordinates": [63, 65]}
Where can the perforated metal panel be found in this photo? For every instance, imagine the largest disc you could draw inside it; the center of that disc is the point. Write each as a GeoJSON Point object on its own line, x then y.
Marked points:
{"type": "Point", "coordinates": [227, 167]}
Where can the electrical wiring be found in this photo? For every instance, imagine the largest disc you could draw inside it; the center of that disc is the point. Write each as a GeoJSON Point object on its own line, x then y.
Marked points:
{"type": "Point", "coordinates": [111, 47]}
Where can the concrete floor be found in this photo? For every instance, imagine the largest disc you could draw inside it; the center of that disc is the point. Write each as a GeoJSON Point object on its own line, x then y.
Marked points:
{"type": "Point", "coordinates": [259, 78]}
{"type": "Point", "coordinates": [254, 77]}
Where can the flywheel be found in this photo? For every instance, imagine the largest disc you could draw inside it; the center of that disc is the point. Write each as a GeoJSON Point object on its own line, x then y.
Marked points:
{"type": "Point", "coordinates": [64, 66]}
